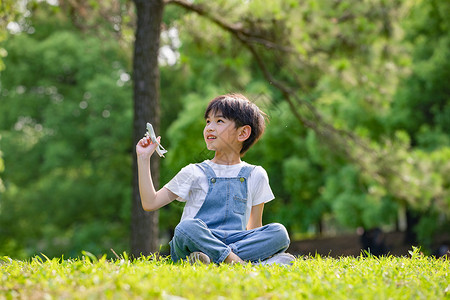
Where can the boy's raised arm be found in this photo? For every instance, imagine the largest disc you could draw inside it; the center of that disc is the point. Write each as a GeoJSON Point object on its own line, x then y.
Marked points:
{"type": "Point", "coordinates": [150, 198]}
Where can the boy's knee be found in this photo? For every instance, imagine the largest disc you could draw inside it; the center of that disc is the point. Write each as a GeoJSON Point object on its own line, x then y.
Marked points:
{"type": "Point", "coordinates": [280, 234]}
{"type": "Point", "coordinates": [189, 225]}
{"type": "Point", "coordinates": [184, 232]}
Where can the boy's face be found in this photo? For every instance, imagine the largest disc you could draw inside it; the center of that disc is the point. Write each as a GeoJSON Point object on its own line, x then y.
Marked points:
{"type": "Point", "coordinates": [221, 134]}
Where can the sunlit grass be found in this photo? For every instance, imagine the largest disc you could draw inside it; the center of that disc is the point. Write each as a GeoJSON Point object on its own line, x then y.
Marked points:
{"type": "Point", "coordinates": [413, 277]}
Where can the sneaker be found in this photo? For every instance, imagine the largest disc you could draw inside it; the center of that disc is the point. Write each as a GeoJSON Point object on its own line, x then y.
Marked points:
{"type": "Point", "coordinates": [280, 259]}
{"type": "Point", "coordinates": [199, 257]}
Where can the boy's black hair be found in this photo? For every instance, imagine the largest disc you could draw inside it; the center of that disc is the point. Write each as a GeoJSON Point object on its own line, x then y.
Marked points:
{"type": "Point", "coordinates": [242, 111]}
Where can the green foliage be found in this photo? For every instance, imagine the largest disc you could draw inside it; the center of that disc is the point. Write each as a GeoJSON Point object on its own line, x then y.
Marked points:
{"type": "Point", "coordinates": [65, 122]}
{"type": "Point", "coordinates": [377, 69]}
{"type": "Point", "coordinates": [421, 107]}
{"type": "Point", "coordinates": [346, 59]}
{"type": "Point", "coordinates": [9, 11]}
{"type": "Point", "coordinates": [415, 277]}
{"type": "Point", "coordinates": [424, 96]}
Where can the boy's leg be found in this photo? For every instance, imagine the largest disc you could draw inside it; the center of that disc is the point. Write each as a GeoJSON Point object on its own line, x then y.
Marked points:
{"type": "Point", "coordinates": [259, 243]}
{"type": "Point", "coordinates": [193, 235]}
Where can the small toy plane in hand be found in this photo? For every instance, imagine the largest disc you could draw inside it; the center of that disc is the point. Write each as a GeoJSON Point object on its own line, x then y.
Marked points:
{"type": "Point", "coordinates": [151, 133]}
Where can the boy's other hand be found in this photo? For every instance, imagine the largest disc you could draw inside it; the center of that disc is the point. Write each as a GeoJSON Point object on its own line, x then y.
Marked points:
{"type": "Point", "coordinates": [145, 146]}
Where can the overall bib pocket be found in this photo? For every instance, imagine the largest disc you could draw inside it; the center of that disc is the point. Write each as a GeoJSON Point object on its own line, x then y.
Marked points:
{"type": "Point", "coordinates": [240, 205]}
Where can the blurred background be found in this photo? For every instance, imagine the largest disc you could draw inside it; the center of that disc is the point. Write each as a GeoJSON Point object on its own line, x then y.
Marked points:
{"type": "Point", "coordinates": [357, 148]}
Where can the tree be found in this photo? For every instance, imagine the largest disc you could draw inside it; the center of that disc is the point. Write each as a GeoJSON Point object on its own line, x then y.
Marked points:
{"type": "Point", "coordinates": [325, 71]}
{"type": "Point", "coordinates": [65, 121]}
{"type": "Point", "coordinates": [330, 44]}
{"type": "Point", "coordinates": [8, 13]}
{"type": "Point", "coordinates": [421, 109]}
{"type": "Point", "coordinates": [325, 60]}
{"type": "Point", "coordinates": [144, 228]}
{"type": "Point", "coordinates": [89, 18]}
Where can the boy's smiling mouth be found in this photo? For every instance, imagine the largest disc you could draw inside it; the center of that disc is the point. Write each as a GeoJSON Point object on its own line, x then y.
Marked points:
{"type": "Point", "coordinates": [210, 137]}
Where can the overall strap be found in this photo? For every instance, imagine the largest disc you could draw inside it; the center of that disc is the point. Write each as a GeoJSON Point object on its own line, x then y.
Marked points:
{"type": "Point", "coordinates": [207, 170]}
{"type": "Point", "coordinates": [245, 171]}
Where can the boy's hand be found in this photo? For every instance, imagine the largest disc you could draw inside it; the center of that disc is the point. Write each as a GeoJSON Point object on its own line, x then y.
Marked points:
{"type": "Point", "coordinates": [145, 146]}
{"type": "Point", "coordinates": [150, 140]}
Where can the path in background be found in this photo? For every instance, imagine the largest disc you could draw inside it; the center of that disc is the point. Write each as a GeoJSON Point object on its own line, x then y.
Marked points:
{"type": "Point", "coordinates": [350, 245]}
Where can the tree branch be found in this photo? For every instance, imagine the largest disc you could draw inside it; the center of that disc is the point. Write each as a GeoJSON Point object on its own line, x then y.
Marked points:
{"type": "Point", "coordinates": [336, 138]}
{"type": "Point", "coordinates": [289, 94]}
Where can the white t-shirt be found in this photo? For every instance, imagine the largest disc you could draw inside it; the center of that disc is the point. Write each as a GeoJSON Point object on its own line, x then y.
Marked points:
{"type": "Point", "coordinates": [191, 186]}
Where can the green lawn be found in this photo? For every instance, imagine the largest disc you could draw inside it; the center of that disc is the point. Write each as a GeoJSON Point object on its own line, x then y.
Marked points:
{"type": "Point", "coordinates": [413, 277]}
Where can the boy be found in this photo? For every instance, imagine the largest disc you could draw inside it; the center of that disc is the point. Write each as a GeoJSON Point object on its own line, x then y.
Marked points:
{"type": "Point", "coordinates": [222, 218]}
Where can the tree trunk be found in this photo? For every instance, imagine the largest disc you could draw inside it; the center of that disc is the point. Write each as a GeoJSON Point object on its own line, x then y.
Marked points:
{"type": "Point", "coordinates": [144, 225]}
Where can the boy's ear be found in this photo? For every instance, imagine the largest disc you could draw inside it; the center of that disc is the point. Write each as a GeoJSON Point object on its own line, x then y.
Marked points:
{"type": "Point", "coordinates": [244, 133]}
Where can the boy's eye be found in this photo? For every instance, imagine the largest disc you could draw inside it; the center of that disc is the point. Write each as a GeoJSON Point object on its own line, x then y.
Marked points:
{"type": "Point", "coordinates": [220, 121]}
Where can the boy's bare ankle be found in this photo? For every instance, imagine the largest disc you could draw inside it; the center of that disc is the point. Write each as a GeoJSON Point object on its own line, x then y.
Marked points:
{"type": "Point", "coordinates": [233, 259]}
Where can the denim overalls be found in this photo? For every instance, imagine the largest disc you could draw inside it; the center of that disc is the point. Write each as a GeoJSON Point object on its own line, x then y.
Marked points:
{"type": "Point", "coordinates": [219, 226]}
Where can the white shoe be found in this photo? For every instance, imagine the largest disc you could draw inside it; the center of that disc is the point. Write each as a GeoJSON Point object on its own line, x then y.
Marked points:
{"type": "Point", "coordinates": [199, 257]}
{"type": "Point", "coordinates": [280, 259]}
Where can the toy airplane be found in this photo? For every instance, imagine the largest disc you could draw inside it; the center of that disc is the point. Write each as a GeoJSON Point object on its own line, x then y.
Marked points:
{"type": "Point", "coordinates": [151, 133]}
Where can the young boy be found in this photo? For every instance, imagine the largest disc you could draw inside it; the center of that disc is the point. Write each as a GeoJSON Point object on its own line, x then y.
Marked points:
{"type": "Point", "coordinates": [222, 218]}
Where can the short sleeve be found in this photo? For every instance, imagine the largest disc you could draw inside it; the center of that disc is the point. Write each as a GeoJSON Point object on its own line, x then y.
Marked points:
{"type": "Point", "coordinates": [182, 183]}
{"type": "Point", "coordinates": [260, 187]}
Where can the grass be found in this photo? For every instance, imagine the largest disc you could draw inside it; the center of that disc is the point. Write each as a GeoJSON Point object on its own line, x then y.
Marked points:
{"type": "Point", "coordinates": [413, 277]}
